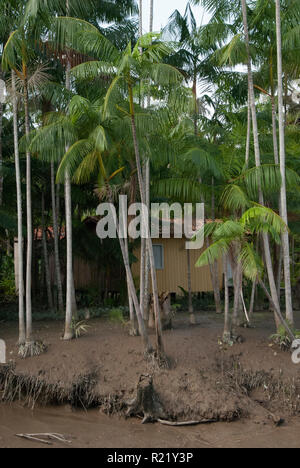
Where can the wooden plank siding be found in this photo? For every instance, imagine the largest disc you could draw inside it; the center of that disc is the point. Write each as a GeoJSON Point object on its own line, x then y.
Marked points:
{"type": "Point", "coordinates": [174, 275]}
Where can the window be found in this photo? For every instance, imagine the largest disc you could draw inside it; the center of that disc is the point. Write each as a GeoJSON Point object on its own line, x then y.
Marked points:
{"type": "Point", "coordinates": [158, 251]}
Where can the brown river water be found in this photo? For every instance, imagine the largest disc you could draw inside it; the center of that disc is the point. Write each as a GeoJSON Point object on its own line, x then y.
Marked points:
{"type": "Point", "coordinates": [95, 430]}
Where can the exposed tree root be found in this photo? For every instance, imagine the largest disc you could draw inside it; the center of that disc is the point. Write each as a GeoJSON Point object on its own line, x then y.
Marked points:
{"type": "Point", "coordinates": [158, 360]}
{"type": "Point", "coordinates": [82, 393]}
{"type": "Point", "coordinates": [31, 349]}
{"type": "Point", "coordinates": [146, 403]}
{"type": "Point", "coordinates": [251, 390]}
{"type": "Point", "coordinates": [32, 389]}
{"type": "Point", "coordinates": [275, 390]}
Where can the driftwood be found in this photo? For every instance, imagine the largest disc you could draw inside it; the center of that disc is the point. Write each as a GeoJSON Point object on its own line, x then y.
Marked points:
{"type": "Point", "coordinates": [186, 423]}
{"type": "Point", "coordinates": [45, 438]}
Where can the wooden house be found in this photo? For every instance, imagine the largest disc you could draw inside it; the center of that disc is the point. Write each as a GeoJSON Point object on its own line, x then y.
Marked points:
{"type": "Point", "coordinates": [171, 258]}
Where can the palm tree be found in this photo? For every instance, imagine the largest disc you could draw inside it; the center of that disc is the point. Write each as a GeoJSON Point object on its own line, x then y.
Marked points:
{"type": "Point", "coordinates": [22, 329]}
{"type": "Point", "coordinates": [8, 18]}
{"type": "Point", "coordinates": [191, 53]}
{"type": "Point", "coordinates": [227, 329]}
{"type": "Point", "coordinates": [85, 135]}
{"type": "Point", "coordinates": [69, 332]}
{"type": "Point", "coordinates": [140, 18]}
{"type": "Point", "coordinates": [262, 18]}
{"type": "Point", "coordinates": [229, 234]}
{"type": "Point", "coordinates": [283, 199]}
{"type": "Point", "coordinates": [147, 183]}
{"type": "Point", "coordinates": [96, 145]}
{"type": "Point", "coordinates": [40, 13]}
{"type": "Point", "coordinates": [126, 68]}
{"type": "Point", "coordinates": [267, 251]}
{"type": "Point", "coordinates": [143, 241]}
{"type": "Point", "coordinates": [17, 53]}
{"type": "Point", "coordinates": [191, 59]}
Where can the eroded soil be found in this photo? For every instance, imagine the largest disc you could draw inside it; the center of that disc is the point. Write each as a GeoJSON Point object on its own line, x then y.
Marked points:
{"type": "Point", "coordinates": [249, 383]}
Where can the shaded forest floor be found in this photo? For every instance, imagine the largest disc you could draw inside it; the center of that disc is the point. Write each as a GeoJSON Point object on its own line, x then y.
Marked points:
{"type": "Point", "coordinates": [101, 369]}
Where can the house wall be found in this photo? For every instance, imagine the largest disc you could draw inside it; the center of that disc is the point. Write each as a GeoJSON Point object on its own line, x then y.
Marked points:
{"type": "Point", "coordinates": [175, 273]}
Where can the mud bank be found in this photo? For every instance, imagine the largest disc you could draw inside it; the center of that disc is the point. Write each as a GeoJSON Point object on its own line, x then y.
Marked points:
{"type": "Point", "coordinates": [250, 380]}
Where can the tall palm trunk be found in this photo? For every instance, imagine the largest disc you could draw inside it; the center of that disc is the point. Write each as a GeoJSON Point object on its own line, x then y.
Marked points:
{"type": "Point", "coordinates": [283, 200]}
{"type": "Point", "coordinates": [266, 241]}
{"type": "Point", "coordinates": [215, 265]}
{"type": "Point", "coordinates": [276, 160]}
{"type": "Point", "coordinates": [130, 284]}
{"type": "Point", "coordinates": [188, 253]}
{"type": "Point", "coordinates": [238, 285]}
{"type": "Point", "coordinates": [133, 331]}
{"type": "Point", "coordinates": [56, 242]}
{"type": "Point", "coordinates": [194, 90]}
{"type": "Point", "coordinates": [279, 269]}
{"type": "Point", "coordinates": [252, 299]}
{"type": "Point", "coordinates": [141, 323]}
{"type": "Point", "coordinates": [46, 257]}
{"type": "Point", "coordinates": [22, 332]}
{"type": "Point", "coordinates": [274, 130]}
{"type": "Point", "coordinates": [147, 182]}
{"type": "Point", "coordinates": [140, 18]}
{"type": "Point", "coordinates": [143, 267]}
{"type": "Point", "coordinates": [273, 107]}
{"type": "Point", "coordinates": [69, 332]}
{"type": "Point", "coordinates": [29, 221]}
{"type": "Point", "coordinates": [151, 16]}
{"type": "Point", "coordinates": [147, 266]}
{"type": "Point", "coordinates": [143, 241]}
{"type": "Point", "coordinates": [248, 142]}
{"type": "Point", "coordinates": [277, 312]}
{"type": "Point", "coordinates": [227, 326]}
{"type": "Point", "coordinates": [247, 158]}
{"type": "Point", "coordinates": [158, 325]}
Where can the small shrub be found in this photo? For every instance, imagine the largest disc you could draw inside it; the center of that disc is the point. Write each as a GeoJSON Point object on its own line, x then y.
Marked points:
{"type": "Point", "coordinates": [282, 339]}
{"type": "Point", "coordinates": [79, 328]}
{"type": "Point", "coordinates": [117, 316]}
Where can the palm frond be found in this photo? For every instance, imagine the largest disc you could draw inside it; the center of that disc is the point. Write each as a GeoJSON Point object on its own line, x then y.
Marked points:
{"type": "Point", "coordinates": [234, 198]}
{"type": "Point", "coordinates": [213, 253]}
{"type": "Point", "coordinates": [251, 262]}
{"type": "Point", "coordinates": [260, 218]}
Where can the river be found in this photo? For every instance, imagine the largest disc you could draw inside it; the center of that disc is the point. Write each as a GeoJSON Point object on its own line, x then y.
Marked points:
{"type": "Point", "coordinates": [95, 430]}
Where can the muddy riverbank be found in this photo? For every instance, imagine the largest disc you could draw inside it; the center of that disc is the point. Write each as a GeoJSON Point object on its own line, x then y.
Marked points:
{"type": "Point", "coordinates": [252, 381]}
{"type": "Point", "coordinates": [95, 430]}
